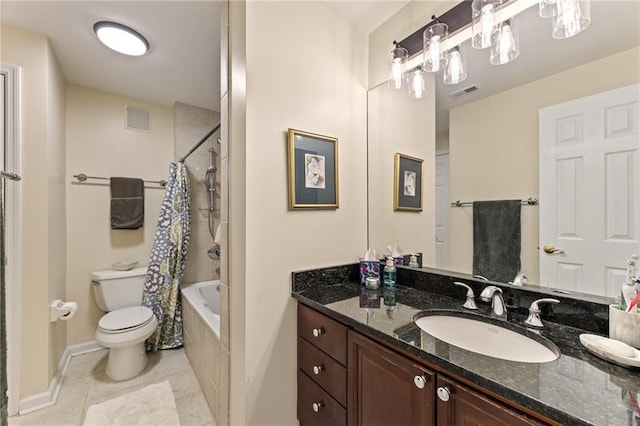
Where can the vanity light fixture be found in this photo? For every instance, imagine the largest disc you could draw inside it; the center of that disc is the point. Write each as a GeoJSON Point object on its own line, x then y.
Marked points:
{"type": "Point", "coordinates": [398, 74]}
{"type": "Point", "coordinates": [483, 22]}
{"type": "Point", "coordinates": [417, 85]}
{"type": "Point", "coordinates": [573, 17]}
{"type": "Point", "coordinates": [505, 43]}
{"type": "Point", "coordinates": [456, 71]}
{"type": "Point", "coordinates": [434, 55]}
{"type": "Point", "coordinates": [548, 8]}
{"type": "Point", "coordinates": [121, 38]}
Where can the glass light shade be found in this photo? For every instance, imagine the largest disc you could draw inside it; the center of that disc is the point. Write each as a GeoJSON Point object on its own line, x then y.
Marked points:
{"type": "Point", "coordinates": [397, 73]}
{"type": "Point", "coordinates": [456, 71]}
{"type": "Point", "coordinates": [505, 46]}
{"type": "Point", "coordinates": [548, 8]}
{"type": "Point", "coordinates": [434, 57]}
{"type": "Point", "coordinates": [573, 17]}
{"type": "Point", "coordinates": [417, 85]}
{"type": "Point", "coordinates": [483, 22]}
{"type": "Point", "coordinates": [121, 38]}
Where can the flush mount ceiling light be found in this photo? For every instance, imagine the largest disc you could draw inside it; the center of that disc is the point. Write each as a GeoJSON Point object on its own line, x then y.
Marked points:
{"type": "Point", "coordinates": [121, 38]}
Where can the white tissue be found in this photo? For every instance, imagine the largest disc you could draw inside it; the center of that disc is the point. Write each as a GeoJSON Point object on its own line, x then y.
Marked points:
{"type": "Point", "coordinates": [218, 237]}
{"type": "Point", "coordinates": [394, 250]}
{"type": "Point", "coordinates": [370, 255]}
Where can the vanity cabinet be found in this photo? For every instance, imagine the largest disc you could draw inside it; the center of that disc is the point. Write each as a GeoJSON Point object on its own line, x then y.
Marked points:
{"type": "Point", "coordinates": [387, 388]}
{"type": "Point", "coordinates": [345, 378]}
{"type": "Point", "coordinates": [459, 405]}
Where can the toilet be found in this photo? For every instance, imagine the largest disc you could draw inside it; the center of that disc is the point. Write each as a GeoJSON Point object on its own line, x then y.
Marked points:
{"type": "Point", "coordinates": [127, 324]}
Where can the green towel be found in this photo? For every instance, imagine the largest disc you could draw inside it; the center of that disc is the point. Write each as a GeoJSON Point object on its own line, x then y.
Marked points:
{"type": "Point", "coordinates": [496, 239]}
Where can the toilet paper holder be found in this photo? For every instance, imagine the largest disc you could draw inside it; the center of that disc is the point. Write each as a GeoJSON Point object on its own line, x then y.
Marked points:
{"type": "Point", "coordinates": [60, 310]}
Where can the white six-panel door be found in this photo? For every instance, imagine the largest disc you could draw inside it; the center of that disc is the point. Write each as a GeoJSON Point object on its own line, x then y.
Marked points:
{"type": "Point", "coordinates": [590, 191]}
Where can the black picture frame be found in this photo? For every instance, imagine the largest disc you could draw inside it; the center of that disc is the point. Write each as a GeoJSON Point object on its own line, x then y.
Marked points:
{"type": "Point", "coordinates": [407, 187]}
{"type": "Point", "coordinates": [312, 170]}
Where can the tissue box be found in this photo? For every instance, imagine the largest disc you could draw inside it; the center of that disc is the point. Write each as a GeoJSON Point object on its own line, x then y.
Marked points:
{"type": "Point", "coordinates": [624, 326]}
{"type": "Point", "coordinates": [369, 268]}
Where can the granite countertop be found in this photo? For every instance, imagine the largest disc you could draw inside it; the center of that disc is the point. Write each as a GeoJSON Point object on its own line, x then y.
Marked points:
{"type": "Point", "coordinates": [577, 388]}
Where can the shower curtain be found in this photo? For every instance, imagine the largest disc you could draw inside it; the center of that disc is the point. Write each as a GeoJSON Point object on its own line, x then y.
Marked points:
{"type": "Point", "coordinates": [167, 262]}
{"type": "Point", "coordinates": [3, 323]}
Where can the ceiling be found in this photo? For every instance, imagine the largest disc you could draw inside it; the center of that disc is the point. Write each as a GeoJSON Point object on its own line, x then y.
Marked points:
{"type": "Point", "coordinates": [183, 64]}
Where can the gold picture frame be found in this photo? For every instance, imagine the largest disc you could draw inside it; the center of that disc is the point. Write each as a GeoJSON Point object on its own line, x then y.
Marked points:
{"type": "Point", "coordinates": [312, 170]}
{"type": "Point", "coordinates": [407, 183]}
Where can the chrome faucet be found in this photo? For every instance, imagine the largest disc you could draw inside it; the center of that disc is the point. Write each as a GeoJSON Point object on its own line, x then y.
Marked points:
{"type": "Point", "coordinates": [494, 294]}
{"type": "Point", "coordinates": [534, 312]}
{"type": "Point", "coordinates": [470, 303]}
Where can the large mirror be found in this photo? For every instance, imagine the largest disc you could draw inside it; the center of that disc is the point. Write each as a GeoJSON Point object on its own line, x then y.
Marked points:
{"type": "Point", "coordinates": [486, 147]}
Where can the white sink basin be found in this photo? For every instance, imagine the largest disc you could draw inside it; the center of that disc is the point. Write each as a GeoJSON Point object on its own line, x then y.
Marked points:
{"type": "Point", "coordinates": [486, 338]}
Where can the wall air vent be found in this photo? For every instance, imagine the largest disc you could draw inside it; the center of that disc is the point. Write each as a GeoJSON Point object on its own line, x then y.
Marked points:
{"type": "Point", "coordinates": [464, 91]}
{"type": "Point", "coordinates": [137, 119]}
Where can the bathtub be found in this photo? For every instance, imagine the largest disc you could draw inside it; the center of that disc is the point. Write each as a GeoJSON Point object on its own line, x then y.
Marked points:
{"type": "Point", "coordinates": [204, 299]}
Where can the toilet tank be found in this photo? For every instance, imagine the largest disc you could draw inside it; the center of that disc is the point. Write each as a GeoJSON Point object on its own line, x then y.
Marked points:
{"type": "Point", "coordinates": [118, 289]}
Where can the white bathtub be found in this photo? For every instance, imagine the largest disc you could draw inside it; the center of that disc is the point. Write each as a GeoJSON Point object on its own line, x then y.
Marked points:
{"type": "Point", "coordinates": [204, 298]}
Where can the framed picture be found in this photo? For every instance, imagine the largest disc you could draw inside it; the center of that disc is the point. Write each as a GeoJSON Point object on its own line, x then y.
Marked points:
{"type": "Point", "coordinates": [312, 170]}
{"type": "Point", "coordinates": [407, 186]}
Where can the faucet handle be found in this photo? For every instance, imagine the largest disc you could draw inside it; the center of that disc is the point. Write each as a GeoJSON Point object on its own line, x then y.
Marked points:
{"type": "Point", "coordinates": [470, 303]}
{"type": "Point", "coordinates": [534, 312]}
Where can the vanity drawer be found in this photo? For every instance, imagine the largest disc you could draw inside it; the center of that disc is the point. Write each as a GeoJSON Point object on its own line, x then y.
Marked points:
{"type": "Point", "coordinates": [323, 332]}
{"type": "Point", "coordinates": [312, 397]}
{"type": "Point", "coordinates": [324, 370]}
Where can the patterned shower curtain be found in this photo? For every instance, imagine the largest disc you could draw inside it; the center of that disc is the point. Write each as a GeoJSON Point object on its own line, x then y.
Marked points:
{"type": "Point", "coordinates": [167, 262]}
{"type": "Point", "coordinates": [3, 323]}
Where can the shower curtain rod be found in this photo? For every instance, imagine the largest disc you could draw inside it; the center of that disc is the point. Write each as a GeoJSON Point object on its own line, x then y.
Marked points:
{"type": "Point", "coordinates": [196, 146]}
{"type": "Point", "coordinates": [10, 176]}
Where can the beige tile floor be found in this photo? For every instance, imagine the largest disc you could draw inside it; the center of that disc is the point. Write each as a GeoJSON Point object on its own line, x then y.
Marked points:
{"type": "Point", "coordinates": [86, 384]}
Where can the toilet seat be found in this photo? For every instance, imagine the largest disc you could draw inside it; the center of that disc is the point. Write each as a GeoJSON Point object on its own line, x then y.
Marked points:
{"type": "Point", "coordinates": [126, 319]}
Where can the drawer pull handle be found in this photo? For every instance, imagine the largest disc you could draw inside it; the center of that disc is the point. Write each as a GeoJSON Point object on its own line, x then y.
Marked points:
{"type": "Point", "coordinates": [317, 369]}
{"type": "Point", "coordinates": [317, 406]}
{"type": "Point", "coordinates": [443, 393]}
{"type": "Point", "coordinates": [317, 332]}
{"type": "Point", "coordinates": [420, 381]}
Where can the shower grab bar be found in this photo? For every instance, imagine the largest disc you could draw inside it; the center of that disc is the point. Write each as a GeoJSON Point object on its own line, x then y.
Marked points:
{"type": "Point", "coordinates": [83, 178]}
{"type": "Point", "coordinates": [528, 202]}
{"type": "Point", "coordinates": [197, 145]}
{"type": "Point", "coordinates": [10, 176]}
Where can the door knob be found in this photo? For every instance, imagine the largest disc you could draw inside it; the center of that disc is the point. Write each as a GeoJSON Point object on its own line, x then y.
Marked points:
{"type": "Point", "coordinates": [317, 406]}
{"type": "Point", "coordinates": [549, 249]}
{"type": "Point", "coordinates": [443, 393]}
{"type": "Point", "coordinates": [317, 369]}
{"type": "Point", "coordinates": [317, 332]}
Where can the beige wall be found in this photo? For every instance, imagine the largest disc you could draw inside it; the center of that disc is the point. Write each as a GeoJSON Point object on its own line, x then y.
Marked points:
{"type": "Point", "coordinates": [305, 69]}
{"type": "Point", "coordinates": [42, 130]}
{"type": "Point", "coordinates": [57, 220]}
{"type": "Point", "coordinates": [99, 145]}
{"type": "Point", "coordinates": [494, 148]}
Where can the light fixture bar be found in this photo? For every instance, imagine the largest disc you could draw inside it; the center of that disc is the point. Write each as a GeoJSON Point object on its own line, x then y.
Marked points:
{"type": "Point", "coordinates": [463, 33]}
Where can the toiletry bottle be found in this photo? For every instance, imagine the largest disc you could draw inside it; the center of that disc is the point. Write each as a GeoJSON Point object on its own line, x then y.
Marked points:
{"type": "Point", "coordinates": [389, 274]}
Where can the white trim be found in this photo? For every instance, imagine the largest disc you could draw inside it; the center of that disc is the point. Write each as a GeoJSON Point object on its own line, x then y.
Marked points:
{"type": "Point", "coordinates": [50, 397]}
{"type": "Point", "coordinates": [13, 230]}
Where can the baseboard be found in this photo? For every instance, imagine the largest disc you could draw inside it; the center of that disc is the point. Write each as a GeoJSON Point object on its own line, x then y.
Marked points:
{"type": "Point", "coordinates": [50, 397]}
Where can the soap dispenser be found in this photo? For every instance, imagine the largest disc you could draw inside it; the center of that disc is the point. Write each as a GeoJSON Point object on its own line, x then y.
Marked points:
{"type": "Point", "coordinates": [389, 274]}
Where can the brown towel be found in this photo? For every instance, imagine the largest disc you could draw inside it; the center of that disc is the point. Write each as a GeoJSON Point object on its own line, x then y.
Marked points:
{"type": "Point", "coordinates": [127, 203]}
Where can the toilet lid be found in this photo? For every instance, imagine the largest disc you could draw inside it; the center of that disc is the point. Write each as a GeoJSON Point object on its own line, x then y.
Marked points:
{"type": "Point", "coordinates": [122, 319]}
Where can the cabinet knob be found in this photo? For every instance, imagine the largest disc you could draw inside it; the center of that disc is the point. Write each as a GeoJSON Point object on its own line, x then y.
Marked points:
{"type": "Point", "coordinates": [317, 332]}
{"type": "Point", "coordinates": [443, 393]}
{"type": "Point", "coordinates": [317, 406]}
{"type": "Point", "coordinates": [317, 369]}
{"type": "Point", "coordinates": [420, 381]}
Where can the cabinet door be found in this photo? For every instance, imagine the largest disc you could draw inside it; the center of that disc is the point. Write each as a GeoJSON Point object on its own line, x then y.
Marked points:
{"type": "Point", "coordinates": [458, 405]}
{"type": "Point", "coordinates": [385, 388]}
